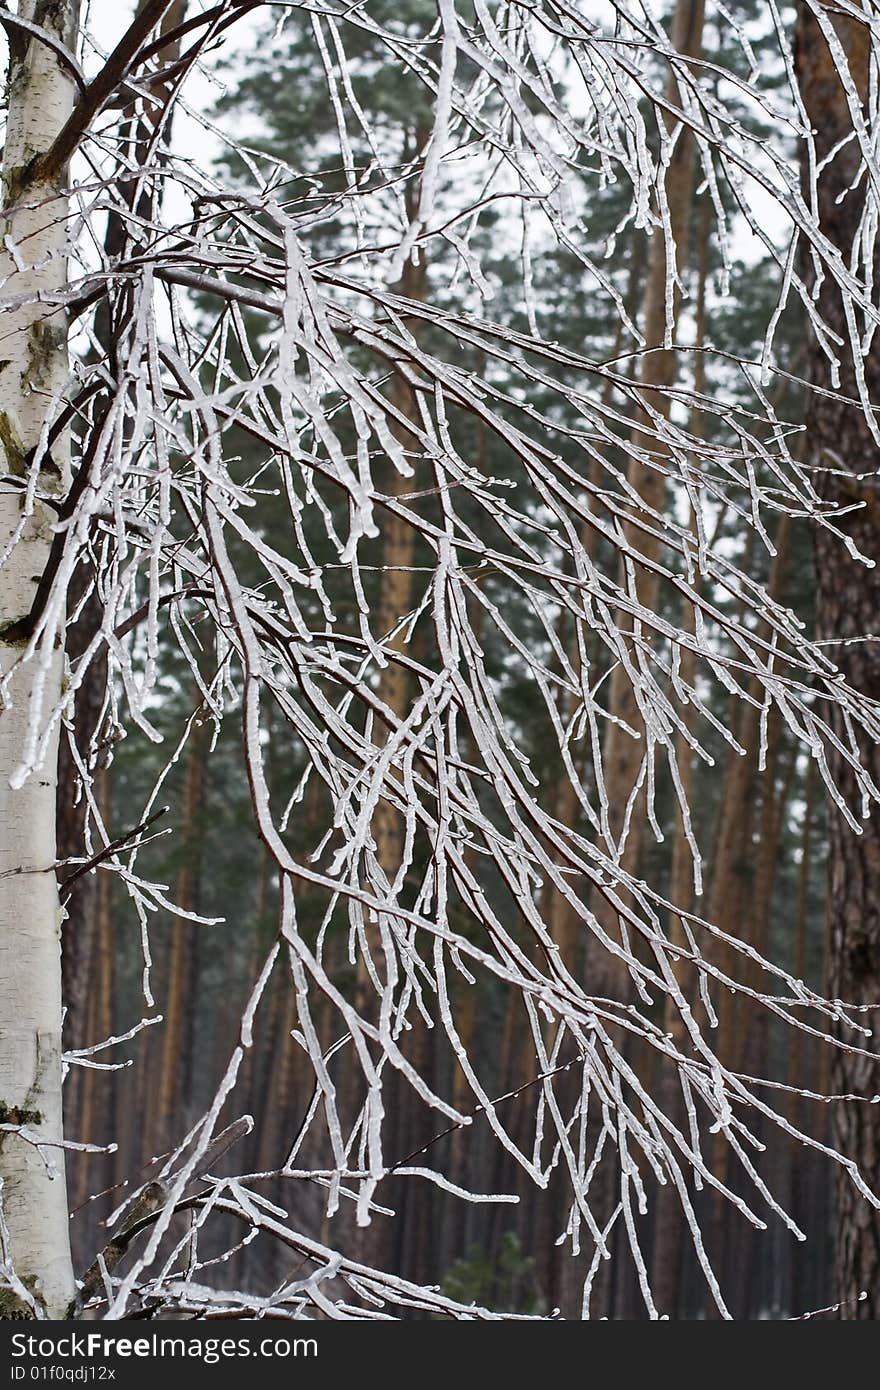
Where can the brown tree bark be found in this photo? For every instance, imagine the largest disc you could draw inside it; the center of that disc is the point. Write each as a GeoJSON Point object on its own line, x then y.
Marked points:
{"type": "Point", "coordinates": [173, 1083]}
{"type": "Point", "coordinates": [796, 1196]}
{"type": "Point", "coordinates": [93, 1105]}
{"type": "Point", "coordinates": [72, 817]}
{"type": "Point", "coordinates": [848, 600]}
{"type": "Point", "coordinates": [668, 1234]}
{"type": "Point", "coordinates": [729, 899]}
{"type": "Point", "coordinates": [396, 597]}
{"type": "Point", "coordinates": [621, 754]}
{"type": "Point", "coordinates": [777, 781]}
{"type": "Point", "coordinates": [801, 929]}
{"type": "Point", "coordinates": [563, 922]}
{"type": "Point", "coordinates": [403, 1127]}
{"type": "Point", "coordinates": [87, 955]}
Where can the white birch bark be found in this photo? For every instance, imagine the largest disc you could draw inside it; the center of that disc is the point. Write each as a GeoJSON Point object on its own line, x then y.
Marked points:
{"type": "Point", "coordinates": [34, 346]}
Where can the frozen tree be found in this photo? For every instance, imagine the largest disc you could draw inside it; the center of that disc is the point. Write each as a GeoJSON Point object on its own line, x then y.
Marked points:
{"type": "Point", "coordinates": [348, 585]}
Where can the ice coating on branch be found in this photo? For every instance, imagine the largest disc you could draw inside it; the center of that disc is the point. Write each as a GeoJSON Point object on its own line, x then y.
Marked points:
{"type": "Point", "coordinates": [504, 450]}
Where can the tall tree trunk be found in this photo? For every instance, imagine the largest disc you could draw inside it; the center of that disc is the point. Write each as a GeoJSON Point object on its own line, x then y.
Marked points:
{"type": "Point", "coordinates": [394, 604]}
{"type": "Point", "coordinates": [84, 957]}
{"type": "Point", "coordinates": [176, 1067]}
{"type": "Point", "coordinates": [727, 896]}
{"type": "Point", "coordinates": [801, 926]}
{"type": "Point", "coordinates": [751, 1286]}
{"type": "Point", "coordinates": [622, 754]}
{"type": "Point", "coordinates": [848, 601]}
{"type": "Point", "coordinates": [78, 940]}
{"type": "Point", "coordinates": [395, 598]}
{"type": "Point", "coordinates": [563, 921]}
{"type": "Point", "coordinates": [754, 1040]}
{"type": "Point", "coordinates": [668, 1243]}
{"type": "Point", "coordinates": [40, 98]}
{"type": "Point", "coordinates": [95, 1094]}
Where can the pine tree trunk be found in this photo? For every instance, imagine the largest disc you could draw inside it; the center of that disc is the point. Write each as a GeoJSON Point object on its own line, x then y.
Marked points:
{"type": "Point", "coordinates": [801, 929]}
{"type": "Point", "coordinates": [84, 957]}
{"type": "Point", "coordinates": [174, 1081]}
{"type": "Point", "coordinates": [668, 1242]}
{"type": "Point", "coordinates": [621, 754]}
{"type": "Point", "coordinates": [137, 128]}
{"type": "Point", "coordinates": [848, 601]}
{"type": "Point", "coordinates": [395, 602]}
{"type": "Point", "coordinates": [79, 931]}
{"type": "Point", "coordinates": [95, 1095]}
{"type": "Point", "coordinates": [40, 97]}
{"type": "Point", "coordinates": [393, 689]}
{"type": "Point", "coordinates": [563, 921]}
{"type": "Point", "coordinates": [731, 857]}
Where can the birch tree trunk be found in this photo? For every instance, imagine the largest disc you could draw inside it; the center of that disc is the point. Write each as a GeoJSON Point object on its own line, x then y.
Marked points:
{"type": "Point", "coordinates": [40, 97]}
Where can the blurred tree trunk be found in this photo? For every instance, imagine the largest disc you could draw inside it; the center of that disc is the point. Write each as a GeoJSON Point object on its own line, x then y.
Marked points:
{"type": "Point", "coordinates": [462, 1150]}
{"type": "Point", "coordinates": [79, 932]}
{"type": "Point", "coordinates": [801, 1046]}
{"type": "Point", "coordinates": [621, 754]}
{"type": "Point", "coordinates": [173, 1091]}
{"type": "Point", "coordinates": [396, 588]}
{"type": "Point", "coordinates": [777, 784]}
{"type": "Point", "coordinates": [406, 1120]}
{"type": "Point", "coordinates": [748, 1292]}
{"type": "Point", "coordinates": [560, 1275]}
{"type": "Point", "coordinates": [82, 952]}
{"type": "Point", "coordinates": [669, 1225]}
{"type": "Point", "coordinates": [729, 897]}
{"type": "Point", "coordinates": [137, 129]}
{"type": "Point", "coordinates": [96, 1094]}
{"type": "Point", "coordinates": [844, 455]}
{"type": "Point", "coordinates": [563, 922]}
